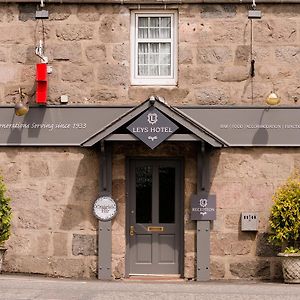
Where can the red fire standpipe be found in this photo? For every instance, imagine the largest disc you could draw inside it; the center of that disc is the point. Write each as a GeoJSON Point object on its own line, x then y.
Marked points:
{"type": "Point", "coordinates": [41, 83]}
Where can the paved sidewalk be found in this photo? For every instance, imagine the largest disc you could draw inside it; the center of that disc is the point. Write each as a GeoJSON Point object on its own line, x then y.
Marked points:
{"type": "Point", "coordinates": [20, 287]}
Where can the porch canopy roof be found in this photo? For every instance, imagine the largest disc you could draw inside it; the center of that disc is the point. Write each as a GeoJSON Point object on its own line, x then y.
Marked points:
{"type": "Point", "coordinates": [193, 130]}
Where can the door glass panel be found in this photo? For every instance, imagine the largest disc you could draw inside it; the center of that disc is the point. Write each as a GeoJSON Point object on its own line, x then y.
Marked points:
{"type": "Point", "coordinates": [166, 195]}
{"type": "Point", "coordinates": [143, 185]}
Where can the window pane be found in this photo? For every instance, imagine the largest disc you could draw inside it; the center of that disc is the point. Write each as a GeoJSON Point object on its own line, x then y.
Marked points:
{"type": "Point", "coordinates": [143, 194]}
{"type": "Point", "coordinates": [154, 22]}
{"type": "Point", "coordinates": [166, 195]}
{"type": "Point", "coordinates": [142, 22]}
{"type": "Point", "coordinates": [165, 70]}
{"type": "Point", "coordinates": [143, 59]}
{"type": "Point", "coordinates": [154, 55]}
{"type": "Point", "coordinates": [165, 33]}
{"type": "Point", "coordinates": [165, 47]}
{"type": "Point", "coordinates": [154, 33]}
{"type": "Point", "coordinates": [165, 22]}
{"type": "Point", "coordinates": [142, 48]}
{"type": "Point", "coordinates": [165, 59]}
{"type": "Point", "coordinates": [143, 33]}
{"type": "Point", "coordinates": [154, 70]}
{"type": "Point", "coordinates": [142, 27]}
{"type": "Point", "coordinates": [154, 59]}
{"type": "Point", "coordinates": [143, 70]}
{"type": "Point", "coordinates": [154, 48]}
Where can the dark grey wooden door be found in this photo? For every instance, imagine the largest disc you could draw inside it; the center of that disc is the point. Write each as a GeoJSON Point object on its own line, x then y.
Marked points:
{"type": "Point", "coordinates": [155, 219]}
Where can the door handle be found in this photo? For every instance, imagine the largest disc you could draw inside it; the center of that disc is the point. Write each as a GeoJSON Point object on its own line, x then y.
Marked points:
{"type": "Point", "coordinates": [131, 231]}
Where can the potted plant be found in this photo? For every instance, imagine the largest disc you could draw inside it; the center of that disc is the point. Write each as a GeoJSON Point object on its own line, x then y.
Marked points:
{"type": "Point", "coordinates": [5, 219]}
{"type": "Point", "coordinates": [285, 227]}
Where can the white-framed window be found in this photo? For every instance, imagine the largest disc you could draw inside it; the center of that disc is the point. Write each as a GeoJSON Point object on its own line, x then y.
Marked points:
{"type": "Point", "coordinates": [153, 48]}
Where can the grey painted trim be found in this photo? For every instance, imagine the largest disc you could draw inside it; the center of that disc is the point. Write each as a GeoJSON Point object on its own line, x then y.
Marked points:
{"type": "Point", "coordinates": [203, 250]}
{"type": "Point", "coordinates": [212, 124]}
{"type": "Point", "coordinates": [184, 107]}
{"type": "Point", "coordinates": [104, 230]}
{"type": "Point", "coordinates": [110, 128]}
{"type": "Point", "coordinates": [104, 250]}
{"type": "Point", "coordinates": [181, 216]}
{"type": "Point", "coordinates": [203, 227]}
{"type": "Point", "coordinates": [131, 137]}
{"type": "Point", "coordinates": [175, 114]}
{"type": "Point", "coordinates": [190, 124]}
{"type": "Point", "coordinates": [158, 2]}
{"type": "Point", "coordinates": [127, 216]}
{"type": "Point", "coordinates": [215, 107]}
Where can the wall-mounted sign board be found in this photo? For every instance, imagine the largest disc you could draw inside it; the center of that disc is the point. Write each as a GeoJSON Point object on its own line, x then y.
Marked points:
{"type": "Point", "coordinates": [152, 127]}
{"type": "Point", "coordinates": [74, 125]}
{"type": "Point", "coordinates": [105, 208]}
{"type": "Point", "coordinates": [203, 207]}
{"type": "Point", "coordinates": [250, 126]}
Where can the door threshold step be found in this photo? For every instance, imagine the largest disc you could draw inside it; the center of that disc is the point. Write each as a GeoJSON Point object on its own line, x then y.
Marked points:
{"type": "Point", "coordinates": [154, 277]}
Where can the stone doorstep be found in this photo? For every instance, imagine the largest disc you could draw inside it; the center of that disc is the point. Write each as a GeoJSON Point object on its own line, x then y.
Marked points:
{"type": "Point", "coordinates": [155, 277]}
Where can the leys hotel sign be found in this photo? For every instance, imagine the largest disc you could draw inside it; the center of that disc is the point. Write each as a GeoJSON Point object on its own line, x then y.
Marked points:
{"type": "Point", "coordinates": [152, 127]}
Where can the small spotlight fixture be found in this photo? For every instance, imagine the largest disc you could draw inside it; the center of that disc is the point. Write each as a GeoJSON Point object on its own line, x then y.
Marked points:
{"type": "Point", "coordinates": [273, 99]}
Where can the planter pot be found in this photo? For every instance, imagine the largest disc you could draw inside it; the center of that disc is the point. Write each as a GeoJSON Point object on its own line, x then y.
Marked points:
{"type": "Point", "coordinates": [290, 267]}
{"type": "Point", "coordinates": [2, 251]}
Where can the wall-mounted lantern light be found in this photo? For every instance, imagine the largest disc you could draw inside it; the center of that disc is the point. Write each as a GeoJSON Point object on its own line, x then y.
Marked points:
{"type": "Point", "coordinates": [273, 99]}
{"type": "Point", "coordinates": [21, 107]}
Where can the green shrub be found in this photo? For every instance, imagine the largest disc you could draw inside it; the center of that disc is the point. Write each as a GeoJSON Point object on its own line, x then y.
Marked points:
{"type": "Point", "coordinates": [285, 215]}
{"type": "Point", "coordinates": [5, 214]}
{"type": "Point", "coordinates": [292, 250]}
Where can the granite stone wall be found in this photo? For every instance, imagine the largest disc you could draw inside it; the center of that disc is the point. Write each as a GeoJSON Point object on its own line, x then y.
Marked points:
{"type": "Point", "coordinates": [55, 233]}
{"type": "Point", "coordinates": [53, 228]}
{"type": "Point", "coordinates": [53, 189]}
{"type": "Point", "coordinates": [88, 47]}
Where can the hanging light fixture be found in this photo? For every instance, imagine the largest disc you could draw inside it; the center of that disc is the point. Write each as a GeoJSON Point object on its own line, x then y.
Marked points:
{"type": "Point", "coordinates": [21, 107]}
{"type": "Point", "coordinates": [272, 99]}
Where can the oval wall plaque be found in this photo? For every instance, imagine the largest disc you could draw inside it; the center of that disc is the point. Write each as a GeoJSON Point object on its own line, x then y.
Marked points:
{"type": "Point", "coordinates": [105, 208]}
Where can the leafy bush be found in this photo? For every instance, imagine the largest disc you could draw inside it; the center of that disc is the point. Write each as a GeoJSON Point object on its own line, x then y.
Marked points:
{"type": "Point", "coordinates": [5, 214]}
{"type": "Point", "coordinates": [285, 215]}
{"type": "Point", "coordinates": [292, 250]}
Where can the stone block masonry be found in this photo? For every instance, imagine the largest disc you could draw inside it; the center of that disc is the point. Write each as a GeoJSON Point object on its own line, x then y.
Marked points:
{"type": "Point", "coordinates": [53, 189]}
{"type": "Point", "coordinates": [89, 49]}
{"type": "Point", "coordinates": [55, 233]}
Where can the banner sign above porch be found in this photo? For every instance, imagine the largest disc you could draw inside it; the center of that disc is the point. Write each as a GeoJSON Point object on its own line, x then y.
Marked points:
{"type": "Point", "coordinates": [78, 125]}
{"type": "Point", "coordinates": [152, 127]}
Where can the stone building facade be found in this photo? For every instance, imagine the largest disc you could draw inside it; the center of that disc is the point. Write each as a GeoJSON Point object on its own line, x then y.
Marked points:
{"type": "Point", "coordinates": [88, 45]}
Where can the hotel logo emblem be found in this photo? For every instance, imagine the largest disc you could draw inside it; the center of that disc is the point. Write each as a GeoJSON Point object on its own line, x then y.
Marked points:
{"type": "Point", "coordinates": [203, 202]}
{"type": "Point", "coordinates": [152, 118]}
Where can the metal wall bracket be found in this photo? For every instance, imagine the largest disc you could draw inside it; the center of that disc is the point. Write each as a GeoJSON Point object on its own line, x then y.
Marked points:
{"type": "Point", "coordinates": [254, 14]}
{"type": "Point", "coordinates": [203, 227]}
{"type": "Point", "coordinates": [42, 14]}
{"type": "Point", "coordinates": [104, 230]}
